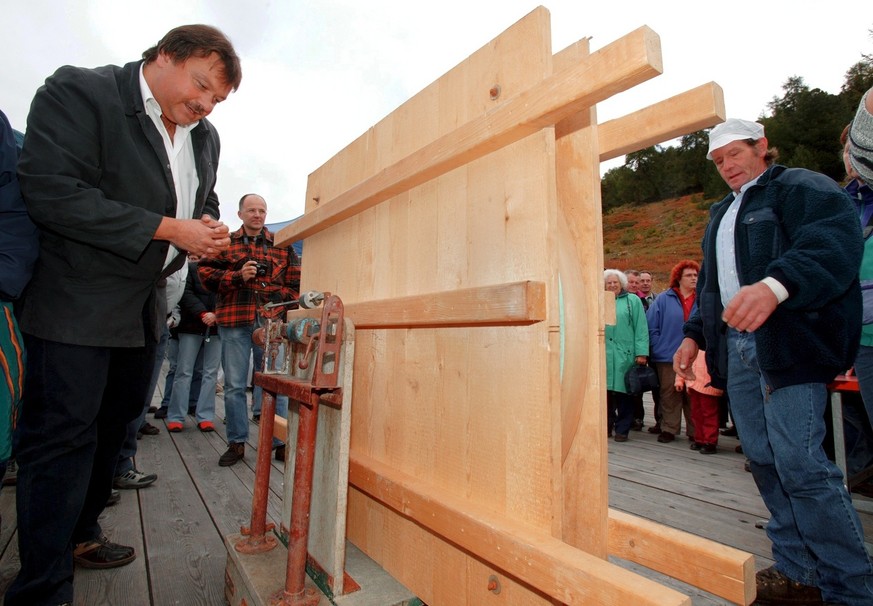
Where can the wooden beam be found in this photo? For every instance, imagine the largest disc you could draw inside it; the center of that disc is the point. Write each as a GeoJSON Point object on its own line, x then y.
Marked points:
{"type": "Point", "coordinates": [510, 304]}
{"type": "Point", "coordinates": [716, 568]}
{"type": "Point", "coordinates": [613, 69]}
{"type": "Point", "coordinates": [528, 554]}
{"type": "Point", "coordinates": [685, 113]}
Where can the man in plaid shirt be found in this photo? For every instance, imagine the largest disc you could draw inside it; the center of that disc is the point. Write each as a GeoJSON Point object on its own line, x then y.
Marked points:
{"type": "Point", "coordinates": [246, 276]}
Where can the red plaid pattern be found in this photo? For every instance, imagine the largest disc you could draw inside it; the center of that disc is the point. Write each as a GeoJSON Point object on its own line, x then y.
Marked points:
{"type": "Point", "coordinates": [238, 301]}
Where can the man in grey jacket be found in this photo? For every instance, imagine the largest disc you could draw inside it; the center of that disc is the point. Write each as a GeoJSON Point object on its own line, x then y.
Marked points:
{"type": "Point", "coordinates": [779, 315]}
{"type": "Point", "coordinates": [118, 170]}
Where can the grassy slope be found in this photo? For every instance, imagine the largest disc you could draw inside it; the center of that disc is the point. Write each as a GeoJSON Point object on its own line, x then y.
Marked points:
{"type": "Point", "coordinates": [655, 236]}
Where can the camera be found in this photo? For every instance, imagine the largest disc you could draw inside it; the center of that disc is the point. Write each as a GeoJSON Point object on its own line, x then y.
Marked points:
{"type": "Point", "coordinates": [262, 268]}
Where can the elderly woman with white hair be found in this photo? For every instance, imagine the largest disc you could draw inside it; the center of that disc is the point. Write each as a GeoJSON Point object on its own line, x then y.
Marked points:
{"type": "Point", "coordinates": [627, 343]}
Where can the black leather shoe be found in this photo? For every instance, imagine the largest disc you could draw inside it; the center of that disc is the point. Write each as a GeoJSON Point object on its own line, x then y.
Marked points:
{"type": "Point", "coordinates": [161, 413]}
{"type": "Point", "coordinates": [256, 418]}
{"type": "Point", "coordinates": [233, 454]}
{"type": "Point", "coordinates": [102, 553]}
{"type": "Point", "coordinates": [695, 446]}
{"type": "Point", "coordinates": [149, 430]}
{"type": "Point", "coordinates": [708, 449]}
{"type": "Point", "coordinates": [666, 436]}
{"type": "Point", "coordinates": [280, 453]}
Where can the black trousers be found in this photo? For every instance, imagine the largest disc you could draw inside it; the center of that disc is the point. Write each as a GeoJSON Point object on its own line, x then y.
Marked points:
{"type": "Point", "coordinates": [77, 403]}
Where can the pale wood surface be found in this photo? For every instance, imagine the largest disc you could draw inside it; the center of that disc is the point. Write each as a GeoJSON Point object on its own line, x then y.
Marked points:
{"type": "Point", "coordinates": [427, 401]}
{"type": "Point", "coordinates": [711, 497]}
{"type": "Point", "coordinates": [440, 196]}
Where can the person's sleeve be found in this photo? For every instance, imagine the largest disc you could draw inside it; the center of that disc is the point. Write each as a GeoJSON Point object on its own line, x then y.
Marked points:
{"type": "Point", "coordinates": [822, 244]}
{"type": "Point", "coordinates": [217, 276]}
{"type": "Point", "coordinates": [19, 237]}
{"type": "Point", "coordinates": [641, 338]}
{"type": "Point", "coordinates": [61, 168]}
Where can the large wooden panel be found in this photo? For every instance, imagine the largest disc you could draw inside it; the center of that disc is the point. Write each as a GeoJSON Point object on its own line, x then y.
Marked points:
{"type": "Point", "coordinates": [469, 410]}
{"type": "Point", "coordinates": [477, 443]}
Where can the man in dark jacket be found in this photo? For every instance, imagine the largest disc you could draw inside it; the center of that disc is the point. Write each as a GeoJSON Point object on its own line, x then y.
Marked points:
{"type": "Point", "coordinates": [779, 316]}
{"type": "Point", "coordinates": [118, 170]}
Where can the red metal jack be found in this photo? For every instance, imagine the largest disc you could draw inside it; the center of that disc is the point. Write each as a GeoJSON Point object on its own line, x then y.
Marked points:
{"type": "Point", "coordinates": [322, 385]}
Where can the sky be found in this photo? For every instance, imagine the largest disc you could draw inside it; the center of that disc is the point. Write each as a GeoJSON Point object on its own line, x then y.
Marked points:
{"type": "Point", "coordinates": [317, 74]}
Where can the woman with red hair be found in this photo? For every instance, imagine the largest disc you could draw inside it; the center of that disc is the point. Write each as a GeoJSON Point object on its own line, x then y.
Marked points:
{"type": "Point", "coordinates": [665, 317]}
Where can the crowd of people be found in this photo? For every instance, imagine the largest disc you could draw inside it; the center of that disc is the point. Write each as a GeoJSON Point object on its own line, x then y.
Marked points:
{"type": "Point", "coordinates": [113, 257]}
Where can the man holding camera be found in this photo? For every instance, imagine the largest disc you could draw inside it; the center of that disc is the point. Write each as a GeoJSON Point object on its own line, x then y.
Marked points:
{"type": "Point", "coordinates": [249, 274]}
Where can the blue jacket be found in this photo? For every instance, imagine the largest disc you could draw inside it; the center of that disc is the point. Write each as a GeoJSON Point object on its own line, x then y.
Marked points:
{"type": "Point", "coordinates": [799, 227]}
{"type": "Point", "coordinates": [666, 318]}
{"type": "Point", "coordinates": [19, 238]}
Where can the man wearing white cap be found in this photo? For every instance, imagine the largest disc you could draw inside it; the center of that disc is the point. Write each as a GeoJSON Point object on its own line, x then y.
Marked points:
{"type": "Point", "coordinates": [780, 316]}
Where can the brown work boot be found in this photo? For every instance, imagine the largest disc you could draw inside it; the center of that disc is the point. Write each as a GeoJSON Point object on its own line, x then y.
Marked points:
{"type": "Point", "coordinates": [775, 589]}
{"type": "Point", "coordinates": [234, 453]}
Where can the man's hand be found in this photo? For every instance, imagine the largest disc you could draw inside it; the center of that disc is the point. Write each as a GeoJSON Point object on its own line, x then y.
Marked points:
{"type": "Point", "coordinates": [249, 270]}
{"type": "Point", "coordinates": [684, 358]}
{"type": "Point", "coordinates": [202, 237]}
{"type": "Point", "coordinates": [751, 307]}
{"type": "Point", "coordinates": [209, 318]}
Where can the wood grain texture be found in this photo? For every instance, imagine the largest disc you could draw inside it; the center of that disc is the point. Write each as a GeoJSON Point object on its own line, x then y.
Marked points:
{"type": "Point", "coordinates": [690, 111]}
{"type": "Point", "coordinates": [583, 374]}
{"type": "Point", "coordinates": [614, 68]}
{"type": "Point", "coordinates": [534, 557]}
{"type": "Point", "coordinates": [473, 409]}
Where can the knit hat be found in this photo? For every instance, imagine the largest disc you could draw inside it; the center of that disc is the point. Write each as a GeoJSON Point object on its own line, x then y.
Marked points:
{"type": "Point", "coordinates": [733, 129]}
{"type": "Point", "coordinates": [861, 142]}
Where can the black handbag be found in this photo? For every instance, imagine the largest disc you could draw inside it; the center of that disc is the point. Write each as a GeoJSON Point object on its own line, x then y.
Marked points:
{"type": "Point", "coordinates": [639, 379]}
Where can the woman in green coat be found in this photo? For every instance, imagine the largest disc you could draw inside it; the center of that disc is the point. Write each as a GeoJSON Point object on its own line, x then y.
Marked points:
{"type": "Point", "coordinates": [627, 343]}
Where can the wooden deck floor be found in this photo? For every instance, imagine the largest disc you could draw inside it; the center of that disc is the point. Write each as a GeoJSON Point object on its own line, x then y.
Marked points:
{"type": "Point", "coordinates": [178, 524]}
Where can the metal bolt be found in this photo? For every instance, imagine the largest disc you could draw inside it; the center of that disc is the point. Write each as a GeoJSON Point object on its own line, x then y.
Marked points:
{"type": "Point", "coordinates": [493, 584]}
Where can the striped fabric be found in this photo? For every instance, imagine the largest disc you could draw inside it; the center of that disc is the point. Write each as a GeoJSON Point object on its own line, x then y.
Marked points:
{"type": "Point", "coordinates": [12, 361]}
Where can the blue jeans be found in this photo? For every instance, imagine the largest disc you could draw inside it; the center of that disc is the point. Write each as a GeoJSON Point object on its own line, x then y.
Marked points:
{"type": "Point", "coordinates": [619, 412]}
{"type": "Point", "coordinates": [172, 356]}
{"type": "Point", "coordinates": [236, 347]}
{"type": "Point", "coordinates": [864, 372]}
{"type": "Point", "coordinates": [191, 349]}
{"type": "Point", "coordinates": [816, 534]}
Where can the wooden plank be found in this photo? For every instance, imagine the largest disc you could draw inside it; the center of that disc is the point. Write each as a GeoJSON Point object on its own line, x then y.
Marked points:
{"type": "Point", "coordinates": [698, 108]}
{"type": "Point", "coordinates": [583, 373]}
{"type": "Point", "coordinates": [125, 586]}
{"type": "Point", "coordinates": [8, 538]}
{"type": "Point", "coordinates": [548, 564]}
{"type": "Point", "coordinates": [186, 563]}
{"type": "Point", "coordinates": [614, 68]}
{"type": "Point", "coordinates": [719, 569]}
{"type": "Point", "coordinates": [511, 304]}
